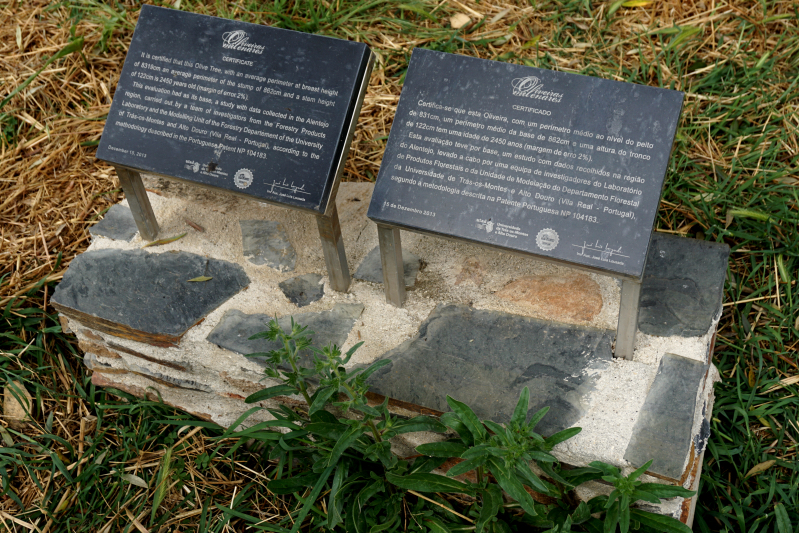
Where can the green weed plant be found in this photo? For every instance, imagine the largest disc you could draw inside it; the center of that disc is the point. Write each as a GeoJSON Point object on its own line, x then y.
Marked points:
{"type": "Point", "coordinates": [340, 448]}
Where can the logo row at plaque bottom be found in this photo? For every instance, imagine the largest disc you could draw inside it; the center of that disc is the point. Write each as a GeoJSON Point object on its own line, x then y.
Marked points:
{"type": "Point", "coordinates": [547, 239]}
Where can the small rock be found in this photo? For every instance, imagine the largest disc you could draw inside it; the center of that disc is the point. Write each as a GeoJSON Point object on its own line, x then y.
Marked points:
{"type": "Point", "coordinates": [117, 224]}
{"type": "Point", "coordinates": [17, 405]}
{"type": "Point", "coordinates": [303, 290]}
{"type": "Point", "coordinates": [470, 271]}
{"type": "Point", "coordinates": [570, 297]}
{"type": "Point", "coordinates": [459, 20]}
{"type": "Point", "coordinates": [371, 268]}
{"type": "Point", "coordinates": [266, 243]}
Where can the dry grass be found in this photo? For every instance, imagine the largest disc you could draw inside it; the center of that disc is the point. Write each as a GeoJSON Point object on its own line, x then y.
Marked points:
{"type": "Point", "coordinates": [52, 189]}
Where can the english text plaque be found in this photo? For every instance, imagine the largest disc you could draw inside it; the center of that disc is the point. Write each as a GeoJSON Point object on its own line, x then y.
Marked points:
{"type": "Point", "coordinates": [563, 166]}
{"type": "Point", "coordinates": [248, 108]}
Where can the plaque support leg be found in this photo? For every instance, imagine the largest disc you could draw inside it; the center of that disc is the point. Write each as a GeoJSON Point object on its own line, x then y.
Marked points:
{"type": "Point", "coordinates": [139, 203]}
{"type": "Point", "coordinates": [391, 259]}
{"type": "Point", "coordinates": [628, 318]}
{"type": "Point", "coordinates": [338, 272]}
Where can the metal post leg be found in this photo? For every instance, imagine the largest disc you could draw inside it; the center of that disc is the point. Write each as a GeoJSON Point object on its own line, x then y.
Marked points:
{"type": "Point", "coordinates": [391, 258]}
{"type": "Point", "coordinates": [139, 203]}
{"type": "Point", "coordinates": [338, 271]}
{"type": "Point", "coordinates": [628, 318]}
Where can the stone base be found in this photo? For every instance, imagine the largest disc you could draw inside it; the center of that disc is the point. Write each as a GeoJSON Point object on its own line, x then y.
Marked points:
{"type": "Point", "coordinates": [478, 325]}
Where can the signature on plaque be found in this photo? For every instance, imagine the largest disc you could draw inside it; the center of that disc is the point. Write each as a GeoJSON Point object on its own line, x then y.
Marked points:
{"type": "Point", "coordinates": [597, 251]}
{"type": "Point", "coordinates": [285, 186]}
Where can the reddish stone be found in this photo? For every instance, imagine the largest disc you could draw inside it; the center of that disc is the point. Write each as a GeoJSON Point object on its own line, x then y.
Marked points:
{"type": "Point", "coordinates": [92, 335]}
{"type": "Point", "coordinates": [570, 297]}
{"type": "Point", "coordinates": [97, 349]}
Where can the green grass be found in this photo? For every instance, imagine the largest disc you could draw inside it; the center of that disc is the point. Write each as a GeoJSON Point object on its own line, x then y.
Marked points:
{"type": "Point", "coordinates": [732, 179]}
{"type": "Point", "coordinates": [51, 475]}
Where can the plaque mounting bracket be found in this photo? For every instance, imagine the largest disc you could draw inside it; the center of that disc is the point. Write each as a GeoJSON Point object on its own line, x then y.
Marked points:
{"type": "Point", "coordinates": [628, 318]}
{"type": "Point", "coordinates": [394, 286]}
{"type": "Point", "coordinates": [328, 223]}
{"type": "Point", "coordinates": [139, 204]}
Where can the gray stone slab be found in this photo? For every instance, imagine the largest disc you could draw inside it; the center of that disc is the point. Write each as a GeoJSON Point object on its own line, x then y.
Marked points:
{"type": "Point", "coordinates": [485, 358]}
{"type": "Point", "coordinates": [303, 290]}
{"type": "Point", "coordinates": [266, 243]}
{"type": "Point", "coordinates": [371, 268]}
{"type": "Point", "coordinates": [235, 329]}
{"type": "Point", "coordinates": [117, 224]}
{"type": "Point", "coordinates": [145, 296]}
{"type": "Point", "coordinates": [664, 425]}
{"type": "Point", "coordinates": [683, 286]}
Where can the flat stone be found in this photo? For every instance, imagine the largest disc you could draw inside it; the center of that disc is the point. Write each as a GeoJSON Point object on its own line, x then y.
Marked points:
{"type": "Point", "coordinates": [266, 243]}
{"type": "Point", "coordinates": [103, 379]}
{"type": "Point", "coordinates": [663, 428]}
{"type": "Point", "coordinates": [485, 359]}
{"type": "Point", "coordinates": [303, 290]}
{"type": "Point", "coordinates": [145, 296]}
{"type": "Point", "coordinates": [371, 268]}
{"type": "Point", "coordinates": [93, 363]}
{"type": "Point", "coordinates": [235, 329]}
{"type": "Point", "coordinates": [682, 287]}
{"type": "Point", "coordinates": [570, 297]}
{"type": "Point", "coordinates": [117, 224]}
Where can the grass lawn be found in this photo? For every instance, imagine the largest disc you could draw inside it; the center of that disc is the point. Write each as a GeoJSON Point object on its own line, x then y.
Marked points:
{"type": "Point", "coordinates": [91, 460]}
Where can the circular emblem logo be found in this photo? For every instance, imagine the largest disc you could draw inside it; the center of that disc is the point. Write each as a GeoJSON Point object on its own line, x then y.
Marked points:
{"type": "Point", "coordinates": [243, 178]}
{"type": "Point", "coordinates": [195, 167]}
{"type": "Point", "coordinates": [547, 239]}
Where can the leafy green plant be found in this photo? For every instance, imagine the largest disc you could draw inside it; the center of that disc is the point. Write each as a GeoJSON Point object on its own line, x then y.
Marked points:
{"type": "Point", "coordinates": [503, 452]}
{"type": "Point", "coordinates": [338, 449]}
{"type": "Point", "coordinates": [353, 452]}
{"type": "Point", "coordinates": [628, 490]}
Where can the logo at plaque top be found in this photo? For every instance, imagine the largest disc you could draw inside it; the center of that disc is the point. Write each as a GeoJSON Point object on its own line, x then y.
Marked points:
{"type": "Point", "coordinates": [547, 239]}
{"type": "Point", "coordinates": [243, 178]}
{"type": "Point", "coordinates": [531, 87]}
{"type": "Point", "coordinates": [239, 40]}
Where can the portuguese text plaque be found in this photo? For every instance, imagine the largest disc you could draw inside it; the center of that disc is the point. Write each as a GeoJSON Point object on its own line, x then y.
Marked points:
{"type": "Point", "coordinates": [563, 166]}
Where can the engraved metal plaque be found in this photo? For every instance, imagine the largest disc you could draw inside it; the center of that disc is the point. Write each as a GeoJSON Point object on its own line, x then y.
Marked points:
{"type": "Point", "coordinates": [256, 110]}
{"type": "Point", "coordinates": [566, 167]}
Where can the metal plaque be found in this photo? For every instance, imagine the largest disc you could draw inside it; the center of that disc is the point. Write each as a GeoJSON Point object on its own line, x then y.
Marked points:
{"type": "Point", "coordinates": [563, 166]}
{"type": "Point", "coordinates": [261, 111]}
